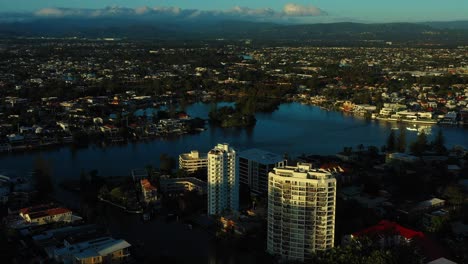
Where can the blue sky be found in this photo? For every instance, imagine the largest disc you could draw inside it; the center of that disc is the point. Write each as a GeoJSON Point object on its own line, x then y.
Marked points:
{"type": "Point", "coordinates": [360, 10]}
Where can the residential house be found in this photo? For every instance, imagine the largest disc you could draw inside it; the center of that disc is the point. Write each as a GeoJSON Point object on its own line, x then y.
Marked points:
{"type": "Point", "coordinates": [150, 193]}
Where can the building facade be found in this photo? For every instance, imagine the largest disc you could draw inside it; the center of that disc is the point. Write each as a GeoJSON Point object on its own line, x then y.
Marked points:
{"type": "Point", "coordinates": [45, 214]}
{"type": "Point", "coordinates": [223, 180]}
{"type": "Point", "coordinates": [193, 161]}
{"type": "Point", "coordinates": [98, 250]}
{"type": "Point", "coordinates": [181, 185]}
{"type": "Point", "coordinates": [301, 211]}
{"type": "Point", "coordinates": [254, 166]}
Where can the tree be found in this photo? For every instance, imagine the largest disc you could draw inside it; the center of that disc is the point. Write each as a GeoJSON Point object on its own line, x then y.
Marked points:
{"type": "Point", "coordinates": [348, 150]}
{"type": "Point", "coordinates": [150, 170]}
{"type": "Point", "coordinates": [454, 196]}
{"type": "Point", "coordinates": [166, 163]}
{"type": "Point", "coordinates": [360, 147]}
{"type": "Point", "coordinates": [437, 224]}
{"type": "Point", "coordinates": [401, 142]}
{"type": "Point", "coordinates": [420, 145]}
{"type": "Point", "coordinates": [181, 173]}
{"type": "Point", "coordinates": [104, 191]}
{"type": "Point", "coordinates": [373, 151]}
{"type": "Point", "coordinates": [391, 142]}
{"type": "Point", "coordinates": [364, 251]}
{"type": "Point", "coordinates": [438, 143]}
{"type": "Point", "coordinates": [43, 177]}
{"type": "Point", "coordinates": [116, 194]}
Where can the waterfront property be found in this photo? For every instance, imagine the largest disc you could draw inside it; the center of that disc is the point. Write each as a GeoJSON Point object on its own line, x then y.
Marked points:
{"type": "Point", "coordinates": [254, 166]}
{"type": "Point", "coordinates": [387, 235]}
{"type": "Point", "coordinates": [41, 215]}
{"type": "Point", "coordinates": [223, 180]}
{"type": "Point", "coordinates": [193, 161]}
{"type": "Point", "coordinates": [318, 131]}
{"type": "Point", "coordinates": [301, 211]}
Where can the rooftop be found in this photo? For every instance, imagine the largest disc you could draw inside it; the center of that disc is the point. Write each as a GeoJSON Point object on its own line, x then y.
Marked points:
{"type": "Point", "coordinates": [194, 154]}
{"type": "Point", "coordinates": [385, 227]}
{"type": "Point", "coordinates": [430, 203]}
{"type": "Point", "coordinates": [261, 156]}
{"type": "Point", "coordinates": [43, 210]}
{"type": "Point", "coordinates": [147, 185]}
{"type": "Point", "coordinates": [98, 247]}
{"type": "Point", "coordinates": [220, 148]}
{"type": "Point", "coordinates": [303, 170]}
{"type": "Point", "coordinates": [441, 261]}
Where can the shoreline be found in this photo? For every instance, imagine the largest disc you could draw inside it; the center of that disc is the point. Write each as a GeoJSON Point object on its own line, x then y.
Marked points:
{"type": "Point", "coordinates": [388, 119]}
{"type": "Point", "coordinates": [101, 144]}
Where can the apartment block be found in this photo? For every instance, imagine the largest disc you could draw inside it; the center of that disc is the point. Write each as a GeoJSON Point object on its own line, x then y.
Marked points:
{"type": "Point", "coordinates": [193, 161]}
{"type": "Point", "coordinates": [223, 180]}
{"type": "Point", "coordinates": [301, 211]}
{"type": "Point", "coordinates": [254, 166]}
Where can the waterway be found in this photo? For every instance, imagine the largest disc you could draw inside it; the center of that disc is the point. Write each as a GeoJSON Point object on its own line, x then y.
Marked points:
{"type": "Point", "coordinates": [293, 129]}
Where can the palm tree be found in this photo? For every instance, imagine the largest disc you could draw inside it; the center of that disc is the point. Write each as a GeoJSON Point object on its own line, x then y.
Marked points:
{"type": "Point", "coordinates": [360, 147]}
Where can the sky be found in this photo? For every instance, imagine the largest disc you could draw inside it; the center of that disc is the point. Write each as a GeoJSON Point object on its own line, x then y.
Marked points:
{"type": "Point", "coordinates": [331, 10]}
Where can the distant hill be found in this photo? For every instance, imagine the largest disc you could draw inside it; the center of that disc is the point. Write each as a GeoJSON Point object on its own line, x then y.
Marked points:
{"type": "Point", "coordinates": [448, 25]}
{"type": "Point", "coordinates": [446, 32]}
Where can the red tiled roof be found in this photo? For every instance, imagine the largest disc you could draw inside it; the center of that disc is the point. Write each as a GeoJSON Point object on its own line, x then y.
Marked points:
{"type": "Point", "coordinates": [57, 211]}
{"type": "Point", "coordinates": [43, 210]}
{"type": "Point", "coordinates": [36, 208]}
{"type": "Point", "coordinates": [182, 115]}
{"type": "Point", "coordinates": [429, 247]}
{"type": "Point", "coordinates": [147, 185]}
{"type": "Point", "coordinates": [387, 227]}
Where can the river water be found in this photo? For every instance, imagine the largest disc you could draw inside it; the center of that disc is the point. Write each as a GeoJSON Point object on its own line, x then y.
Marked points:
{"type": "Point", "coordinates": [293, 128]}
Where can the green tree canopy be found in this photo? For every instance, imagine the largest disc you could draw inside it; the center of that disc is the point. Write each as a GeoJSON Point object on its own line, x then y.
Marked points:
{"type": "Point", "coordinates": [391, 142]}
{"type": "Point", "coordinates": [401, 142]}
{"type": "Point", "coordinates": [439, 143]}
{"type": "Point", "coordinates": [420, 145]}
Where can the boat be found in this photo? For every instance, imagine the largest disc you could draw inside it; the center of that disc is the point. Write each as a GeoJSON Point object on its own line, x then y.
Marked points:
{"type": "Point", "coordinates": [420, 121]}
{"type": "Point", "coordinates": [448, 121]}
{"type": "Point", "coordinates": [388, 119]}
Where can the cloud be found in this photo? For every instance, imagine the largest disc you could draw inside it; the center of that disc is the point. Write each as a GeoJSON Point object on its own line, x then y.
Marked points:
{"type": "Point", "coordinates": [300, 10]}
{"type": "Point", "coordinates": [289, 11]}
{"type": "Point", "coordinates": [52, 12]}
{"type": "Point", "coordinates": [245, 11]}
{"type": "Point", "coordinates": [83, 12]}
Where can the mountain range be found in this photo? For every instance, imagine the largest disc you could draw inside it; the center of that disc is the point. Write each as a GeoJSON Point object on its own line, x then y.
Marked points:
{"type": "Point", "coordinates": [455, 32]}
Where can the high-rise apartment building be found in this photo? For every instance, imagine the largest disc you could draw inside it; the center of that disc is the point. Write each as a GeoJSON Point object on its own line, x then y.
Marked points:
{"type": "Point", "coordinates": [223, 180]}
{"type": "Point", "coordinates": [301, 211]}
{"type": "Point", "coordinates": [254, 166]}
{"type": "Point", "coordinates": [193, 161]}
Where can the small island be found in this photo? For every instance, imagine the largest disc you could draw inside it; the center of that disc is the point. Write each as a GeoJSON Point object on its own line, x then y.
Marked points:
{"type": "Point", "coordinates": [228, 116]}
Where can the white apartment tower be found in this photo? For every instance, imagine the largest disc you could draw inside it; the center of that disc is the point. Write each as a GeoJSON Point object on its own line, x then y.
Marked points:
{"type": "Point", "coordinates": [193, 161]}
{"type": "Point", "coordinates": [301, 211]}
{"type": "Point", "coordinates": [223, 180]}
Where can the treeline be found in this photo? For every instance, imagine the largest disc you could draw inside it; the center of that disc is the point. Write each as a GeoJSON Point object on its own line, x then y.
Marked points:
{"type": "Point", "coordinates": [228, 116]}
{"type": "Point", "coordinates": [364, 251]}
{"type": "Point", "coordinates": [419, 146]}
